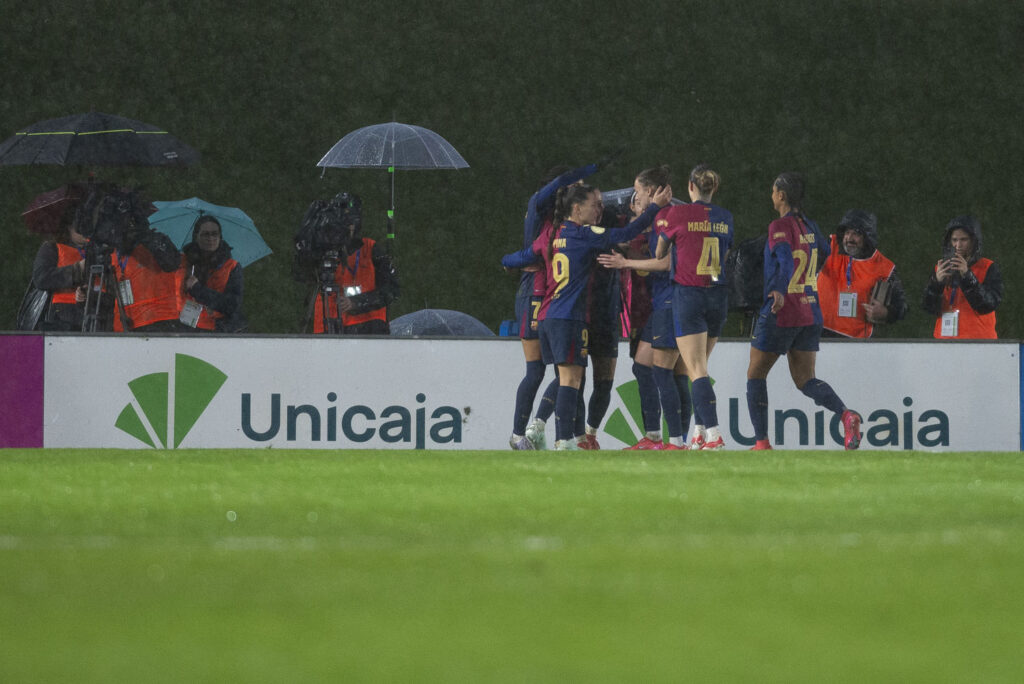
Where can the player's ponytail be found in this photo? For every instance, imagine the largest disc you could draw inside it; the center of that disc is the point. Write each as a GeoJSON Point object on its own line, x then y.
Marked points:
{"type": "Point", "coordinates": [569, 196]}
{"type": "Point", "coordinates": [706, 180]}
{"type": "Point", "coordinates": [793, 185]}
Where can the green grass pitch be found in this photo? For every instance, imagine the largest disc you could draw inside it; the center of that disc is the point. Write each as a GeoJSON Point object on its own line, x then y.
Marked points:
{"type": "Point", "coordinates": [289, 566]}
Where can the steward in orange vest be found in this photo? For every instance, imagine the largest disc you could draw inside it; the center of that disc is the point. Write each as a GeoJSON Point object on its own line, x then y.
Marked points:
{"type": "Point", "coordinates": [965, 289]}
{"type": "Point", "coordinates": [365, 276]}
{"type": "Point", "coordinates": [852, 271]}
{"type": "Point", "coordinates": [212, 281]}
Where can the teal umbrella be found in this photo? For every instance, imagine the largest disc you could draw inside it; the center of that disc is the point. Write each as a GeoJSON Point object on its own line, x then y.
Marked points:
{"type": "Point", "coordinates": [176, 219]}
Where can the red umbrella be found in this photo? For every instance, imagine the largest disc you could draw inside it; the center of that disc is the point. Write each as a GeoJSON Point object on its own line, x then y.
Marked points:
{"type": "Point", "coordinates": [48, 211]}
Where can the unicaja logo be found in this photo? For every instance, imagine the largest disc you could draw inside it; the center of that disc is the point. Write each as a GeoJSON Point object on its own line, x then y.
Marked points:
{"type": "Point", "coordinates": [166, 406]}
{"type": "Point", "coordinates": [617, 425]}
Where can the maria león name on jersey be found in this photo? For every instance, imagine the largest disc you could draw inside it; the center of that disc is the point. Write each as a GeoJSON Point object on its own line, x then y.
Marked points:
{"type": "Point", "coordinates": [707, 227]}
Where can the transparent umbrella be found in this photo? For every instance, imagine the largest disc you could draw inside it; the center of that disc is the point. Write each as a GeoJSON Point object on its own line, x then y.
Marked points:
{"type": "Point", "coordinates": [393, 146]}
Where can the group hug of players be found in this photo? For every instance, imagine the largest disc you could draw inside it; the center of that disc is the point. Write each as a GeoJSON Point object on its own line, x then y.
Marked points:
{"type": "Point", "coordinates": [567, 308]}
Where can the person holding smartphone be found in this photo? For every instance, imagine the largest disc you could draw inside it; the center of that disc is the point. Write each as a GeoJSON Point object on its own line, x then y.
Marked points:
{"type": "Point", "coordinates": [965, 289]}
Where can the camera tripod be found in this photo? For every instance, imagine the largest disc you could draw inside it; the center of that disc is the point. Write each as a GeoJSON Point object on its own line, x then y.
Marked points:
{"type": "Point", "coordinates": [100, 279]}
{"type": "Point", "coordinates": [327, 292]}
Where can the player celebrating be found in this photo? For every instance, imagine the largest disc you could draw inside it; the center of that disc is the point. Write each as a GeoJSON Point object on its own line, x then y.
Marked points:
{"type": "Point", "coordinates": [701, 233]}
{"type": "Point", "coordinates": [563, 332]}
{"type": "Point", "coordinates": [790, 320]}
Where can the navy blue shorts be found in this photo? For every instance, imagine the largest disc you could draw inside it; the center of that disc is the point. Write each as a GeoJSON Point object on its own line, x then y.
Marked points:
{"type": "Point", "coordinates": [769, 337]}
{"type": "Point", "coordinates": [563, 341]}
{"type": "Point", "coordinates": [526, 316]}
{"type": "Point", "coordinates": [663, 332]}
{"type": "Point", "coordinates": [699, 310]}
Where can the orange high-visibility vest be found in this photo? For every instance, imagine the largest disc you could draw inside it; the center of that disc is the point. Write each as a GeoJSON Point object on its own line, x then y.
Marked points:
{"type": "Point", "coordinates": [971, 325]}
{"type": "Point", "coordinates": [156, 293]}
{"type": "Point", "coordinates": [217, 281]}
{"type": "Point", "coordinates": [66, 255]}
{"type": "Point", "coordinates": [357, 270]}
{"type": "Point", "coordinates": [864, 273]}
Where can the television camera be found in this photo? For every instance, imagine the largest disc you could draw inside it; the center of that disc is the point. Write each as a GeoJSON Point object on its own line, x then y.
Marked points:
{"type": "Point", "coordinates": [327, 232]}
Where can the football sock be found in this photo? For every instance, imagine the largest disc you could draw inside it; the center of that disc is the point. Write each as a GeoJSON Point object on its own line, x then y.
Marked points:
{"type": "Point", "coordinates": [547, 402]}
{"type": "Point", "coordinates": [525, 395]}
{"type": "Point", "coordinates": [823, 395]}
{"type": "Point", "coordinates": [686, 405]}
{"type": "Point", "coordinates": [704, 398]}
{"type": "Point", "coordinates": [600, 398]}
{"type": "Point", "coordinates": [650, 406]}
{"type": "Point", "coordinates": [565, 412]}
{"type": "Point", "coordinates": [669, 400]}
{"type": "Point", "coordinates": [579, 425]}
{"type": "Point", "coordinates": [757, 406]}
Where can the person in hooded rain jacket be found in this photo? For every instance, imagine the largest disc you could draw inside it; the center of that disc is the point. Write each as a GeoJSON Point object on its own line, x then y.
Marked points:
{"type": "Point", "coordinates": [213, 282]}
{"type": "Point", "coordinates": [854, 270]}
{"type": "Point", "coordinates": [965, 289]}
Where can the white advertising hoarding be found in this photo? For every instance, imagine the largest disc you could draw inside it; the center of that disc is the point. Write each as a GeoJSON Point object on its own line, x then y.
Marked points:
{"type": "Point", "coordinates": [331, 393]}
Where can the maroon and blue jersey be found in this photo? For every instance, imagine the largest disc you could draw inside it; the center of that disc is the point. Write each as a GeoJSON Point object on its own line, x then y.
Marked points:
{"type": "Point", "coordinates": [573, 258]}
{"type": "Point", "coordinates": [538, 212]}
{"type": "Point", "coordinates": [793, 255]}
{"type": "Point", "coordinates": [701, 234]}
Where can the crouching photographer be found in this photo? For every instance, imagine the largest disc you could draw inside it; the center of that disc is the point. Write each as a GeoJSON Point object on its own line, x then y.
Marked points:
{"type": "Point", "coordinates": [354, 277]}
{"type": "Point", "coordinates": [129, 263]}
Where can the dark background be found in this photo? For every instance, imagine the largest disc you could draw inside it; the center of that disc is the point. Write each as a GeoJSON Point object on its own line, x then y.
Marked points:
{"type": "Point", "coordinates": [908, 109]}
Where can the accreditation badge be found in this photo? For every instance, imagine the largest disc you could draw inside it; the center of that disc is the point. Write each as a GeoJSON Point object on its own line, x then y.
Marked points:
{"type": "Point", "coordinates": [124, 290]}
{"type": "Point", "coordinates": [950, 324]}
{"type": "Point", "coordinates": [190, 313]}
{"type": "Point", "coordinates": [848, 304]}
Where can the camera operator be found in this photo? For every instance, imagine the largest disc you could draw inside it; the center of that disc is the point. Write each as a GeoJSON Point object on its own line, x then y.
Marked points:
{"type": "Point", "coordinates": [355, 277]}
{"type": "Point", "coordinates": [144, 264]}
{"type": "Point", "coordinates": [59, 268]}
{"type": "Point", "coordinates": [966, 288]}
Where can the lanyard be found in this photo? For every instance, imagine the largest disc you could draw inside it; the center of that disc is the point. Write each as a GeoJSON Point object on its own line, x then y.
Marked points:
{"type": "Point", "coordinates": [849, 273]}
{"type": "Point", "coordinates": [355, 269]}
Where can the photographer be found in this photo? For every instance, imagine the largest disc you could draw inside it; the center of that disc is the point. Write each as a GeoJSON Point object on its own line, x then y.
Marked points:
{"type": "Point", "coordinates": [966, 288]}
{"type": "Point", "coordinates": [355, 278]}
{"type": "Point", "coordinates": [144, 265]}
{"type": "Point", "coordinates": [59, 268]}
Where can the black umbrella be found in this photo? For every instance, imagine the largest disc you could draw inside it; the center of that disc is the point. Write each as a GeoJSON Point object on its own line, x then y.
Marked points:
{"type": "Point", "coordinates": [393, 146]}
{"type": "Point", "coordinates": [95, 139]}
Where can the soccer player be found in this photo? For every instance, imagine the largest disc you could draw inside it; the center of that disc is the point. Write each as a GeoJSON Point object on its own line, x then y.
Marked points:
{"type": "Point", "coordinates": [657, 352]}
{"type": "Point", "coordinates": [790, 319]}
{"type": "Point", "coordinates": [701, 233]}
{"type": "Point", "coordinates": [563, 332]}
{"type": "Point", "coordinates": [529, 297]}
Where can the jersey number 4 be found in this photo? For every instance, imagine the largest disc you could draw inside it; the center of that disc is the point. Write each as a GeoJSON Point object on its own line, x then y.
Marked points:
{"type": "Point", "coordinates": [710, 258]}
